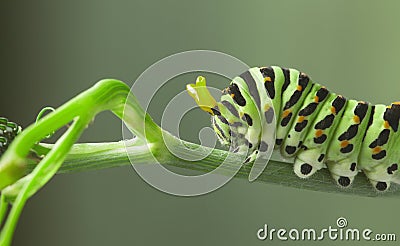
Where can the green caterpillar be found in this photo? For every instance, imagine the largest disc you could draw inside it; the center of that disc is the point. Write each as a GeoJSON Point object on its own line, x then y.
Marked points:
{"type": "Point", "coordinates": [316, 127]}
{"type": "Point", "coordinates": [8, 131]}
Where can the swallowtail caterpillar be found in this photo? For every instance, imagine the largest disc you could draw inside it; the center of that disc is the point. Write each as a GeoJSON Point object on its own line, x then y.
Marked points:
{"type": "Point", "coordinates": [316, 127]}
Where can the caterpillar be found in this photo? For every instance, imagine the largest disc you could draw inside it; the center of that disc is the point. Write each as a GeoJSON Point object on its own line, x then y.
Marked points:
{"type": "Point", "coordinates": [316, 127]}
{"type": "Point", "coordinates": [8, 131]}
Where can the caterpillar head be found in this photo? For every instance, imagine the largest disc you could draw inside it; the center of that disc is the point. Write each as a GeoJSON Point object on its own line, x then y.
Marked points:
{"type": "Point", "coordinates": [227, 127]}
{"type": "Point", "coordinates": [8, 131]}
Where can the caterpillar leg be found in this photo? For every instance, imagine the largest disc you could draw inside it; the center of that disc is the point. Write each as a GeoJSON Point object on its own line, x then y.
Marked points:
{"type": "Point", "coordinates": [306, 169]}
{"type": "Point", "coordinates": [380, 185]}
{"type": "Point", "coordinates": [381, 176]}
{"type": "Point", "coordinates": [343, 172]}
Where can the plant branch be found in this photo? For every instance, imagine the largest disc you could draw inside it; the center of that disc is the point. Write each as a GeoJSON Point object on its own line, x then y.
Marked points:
{"type": "Point", "coordinates": [91, 156]}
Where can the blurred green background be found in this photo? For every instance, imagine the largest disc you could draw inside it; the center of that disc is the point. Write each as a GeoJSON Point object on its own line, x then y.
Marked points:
{"type": "Point", "coordinates": [52, 50]}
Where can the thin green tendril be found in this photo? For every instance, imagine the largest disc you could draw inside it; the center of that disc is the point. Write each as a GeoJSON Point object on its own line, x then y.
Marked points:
{"type": "Point", "coordinates": [41, 114]}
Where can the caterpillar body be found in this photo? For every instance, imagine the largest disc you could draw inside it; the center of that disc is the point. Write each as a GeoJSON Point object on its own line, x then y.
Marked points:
{"type": "Point", "coordinates": [316, 127]}
{"type": "Point", "coordinates": [8, 131]}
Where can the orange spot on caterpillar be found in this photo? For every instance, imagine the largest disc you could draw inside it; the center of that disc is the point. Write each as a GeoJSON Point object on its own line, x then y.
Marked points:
{"type": "Point", "coordinates": [301, 119]}
{"type": "Point", "coordinates": [285, 113]}
{"type": "Point", "coordinates": [376, 150]}
{"type": "Point", "coordinates": [318, 133]}
{"type": "Point", "coordinates": [344, 144]}
{"type": "Point", "coordinates": [356, 119]}
{"type": "Point", "coordinates": [232, 95]}
{"type": "Point", "coordinates": [333, 110]}
{"type": "Point", "coordinates": [316, 99]}
{"type": "Point", "coordinates": [267, 79]}
{"type": "Point", "coordinates": [299, 88]}
{"type": "Point", "coordinates": [386, 124]}
{"type": "Point", "coordinates": [396, 103]}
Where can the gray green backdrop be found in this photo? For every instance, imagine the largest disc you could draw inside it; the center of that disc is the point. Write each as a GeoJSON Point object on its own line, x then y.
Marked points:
{"type": "Point", "coordinates": [52, 50]}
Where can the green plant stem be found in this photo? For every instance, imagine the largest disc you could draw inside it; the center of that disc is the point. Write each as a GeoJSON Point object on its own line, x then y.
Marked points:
{"type": "Point", "coordinates": [91, 156]}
